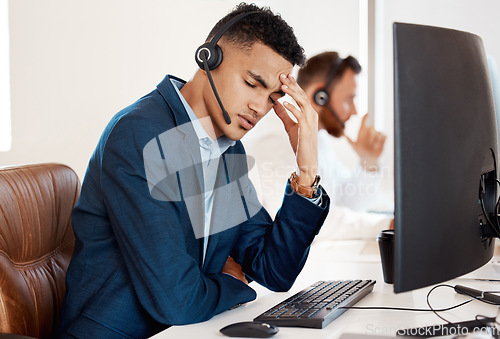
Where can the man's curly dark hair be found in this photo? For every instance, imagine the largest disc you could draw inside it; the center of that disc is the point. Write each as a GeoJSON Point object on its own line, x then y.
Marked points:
{"type": "Point", "coordinates": [265, 27]}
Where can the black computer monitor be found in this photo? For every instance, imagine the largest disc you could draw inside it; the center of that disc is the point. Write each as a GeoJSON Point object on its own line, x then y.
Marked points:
{"type": "Point", "coordinates": [445, 157]}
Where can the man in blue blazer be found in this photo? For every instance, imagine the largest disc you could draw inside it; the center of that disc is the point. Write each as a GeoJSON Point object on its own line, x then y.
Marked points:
{"type": "Point", "coordinates": [168, 228]}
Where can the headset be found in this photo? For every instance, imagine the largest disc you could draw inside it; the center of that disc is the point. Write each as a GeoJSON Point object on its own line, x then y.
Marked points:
{"type": "Point", "coordinates": [209, 56]}
{"type": "Point", "coordinates": [322, 98]}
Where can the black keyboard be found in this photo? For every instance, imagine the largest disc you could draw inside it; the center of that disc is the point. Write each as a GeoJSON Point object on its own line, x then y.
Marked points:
{"type": "Point", "coordinates": [318, 305]}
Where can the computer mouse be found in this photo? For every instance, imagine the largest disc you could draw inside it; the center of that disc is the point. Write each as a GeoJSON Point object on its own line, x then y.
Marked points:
{"type": "Point", "coordinates": [249, 329]}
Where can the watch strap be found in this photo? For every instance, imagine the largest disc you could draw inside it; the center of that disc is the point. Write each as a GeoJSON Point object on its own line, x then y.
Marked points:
{"type": "Point", "coordinates": [305, 191]}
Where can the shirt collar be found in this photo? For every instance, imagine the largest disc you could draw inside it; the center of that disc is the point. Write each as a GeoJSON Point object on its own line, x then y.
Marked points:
{"type": "Point", "coordinates": [203, 137]}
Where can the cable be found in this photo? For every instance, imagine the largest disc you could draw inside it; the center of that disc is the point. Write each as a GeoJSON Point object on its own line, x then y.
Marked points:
{"type": "Point", "coordinates": [482, 193]}
{"type": "Point", "coordinates": [483, 207]}
{"type": "Point", "coordinates": [498, 200]}
{"type": "Point", "coordinates": [430, 309]}
{"type": "Point", "coordinates": [497, 211]}
{"type": "Point", "coordinates": [405, 309]}
{"type": "Point", "coordinates": [436, 311]}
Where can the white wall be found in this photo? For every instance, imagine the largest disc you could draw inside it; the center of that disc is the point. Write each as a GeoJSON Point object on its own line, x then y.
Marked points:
{"type": "Point", "coordinates": [481, 17]}
{"type": "Point", "coordinates": [5, 137]}
{"type": "Point", "coordinates": [75, 63]}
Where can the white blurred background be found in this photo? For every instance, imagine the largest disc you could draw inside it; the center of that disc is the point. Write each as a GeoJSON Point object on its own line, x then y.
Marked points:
{"type": "Point", "coordinates": [67, 66]}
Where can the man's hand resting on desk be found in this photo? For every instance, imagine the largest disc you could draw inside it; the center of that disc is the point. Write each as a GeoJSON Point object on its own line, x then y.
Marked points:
{"type": "Point", "coordinates": [234, 269]}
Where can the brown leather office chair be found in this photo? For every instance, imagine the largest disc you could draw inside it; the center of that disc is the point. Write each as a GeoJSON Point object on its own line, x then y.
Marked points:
{"type": "Point", "coordinates": [36, 243]}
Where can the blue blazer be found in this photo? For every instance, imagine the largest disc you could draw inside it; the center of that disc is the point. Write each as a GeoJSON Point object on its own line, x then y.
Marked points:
{"type": "Point", "coordinates": [137, 266]}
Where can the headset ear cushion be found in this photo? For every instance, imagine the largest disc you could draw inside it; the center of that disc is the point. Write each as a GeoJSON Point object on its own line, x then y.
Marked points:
{"type": "Point", "coordinates": [321, 97]}
{"type": "Point", "coordinates": [214, 55]}
{"type": "Point", "coordinates": [217, 57]}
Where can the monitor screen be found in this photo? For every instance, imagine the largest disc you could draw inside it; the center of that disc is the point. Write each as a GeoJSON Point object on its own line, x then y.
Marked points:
{"type": "Point", "coordinates": [445, 156]}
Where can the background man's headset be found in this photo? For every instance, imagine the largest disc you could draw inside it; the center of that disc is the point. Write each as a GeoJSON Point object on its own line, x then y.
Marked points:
{"type": "Point", "coordinates": [209, 56]}
{"type": "Point", "coordinates": [322, 97]}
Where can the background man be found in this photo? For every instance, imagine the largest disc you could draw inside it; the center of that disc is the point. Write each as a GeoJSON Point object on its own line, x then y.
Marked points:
{"type": "Point", "coordinates": [338, 78]}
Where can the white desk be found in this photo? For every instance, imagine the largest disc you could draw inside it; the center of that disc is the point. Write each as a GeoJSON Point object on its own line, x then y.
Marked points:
{"type": "Point", "coordinates": [361, 263]}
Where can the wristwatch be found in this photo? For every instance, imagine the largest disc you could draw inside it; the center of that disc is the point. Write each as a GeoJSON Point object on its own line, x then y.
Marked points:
{"type": "Point", "coordinates": [305, 191]}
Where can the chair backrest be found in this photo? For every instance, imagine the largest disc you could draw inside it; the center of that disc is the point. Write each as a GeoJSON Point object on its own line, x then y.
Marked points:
{"type": "Point", "coordinates": [36, 244]}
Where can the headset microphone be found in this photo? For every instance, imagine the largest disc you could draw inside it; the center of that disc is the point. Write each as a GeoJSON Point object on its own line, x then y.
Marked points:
{"type": "Point", "coordinates": [205, 64]}
{"type": "Point", "coordinates": [322, 98]}
{"type": "Point", "coordinates": [209, 56]}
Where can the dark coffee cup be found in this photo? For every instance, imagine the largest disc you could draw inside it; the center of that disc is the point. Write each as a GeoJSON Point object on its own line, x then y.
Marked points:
{"type": "Point", "coordinates": [385, 241]}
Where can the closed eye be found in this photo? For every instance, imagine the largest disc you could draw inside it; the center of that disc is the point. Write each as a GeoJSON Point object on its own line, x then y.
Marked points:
{"type": "Point", "coordinates": [249, 84]}
{"type": "Point", "coordinates": [255, 86]}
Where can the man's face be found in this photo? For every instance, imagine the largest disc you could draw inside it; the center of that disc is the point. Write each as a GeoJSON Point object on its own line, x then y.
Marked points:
{"type": "Point", "coordinates": [247, 81]}
{"type": "Point", "coordinates": [342, 101]}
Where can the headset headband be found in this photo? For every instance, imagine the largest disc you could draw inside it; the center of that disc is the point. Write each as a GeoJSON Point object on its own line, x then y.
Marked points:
{"type": "Point", "coordinates": [333, 72]}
